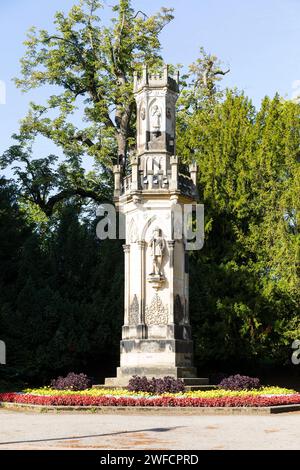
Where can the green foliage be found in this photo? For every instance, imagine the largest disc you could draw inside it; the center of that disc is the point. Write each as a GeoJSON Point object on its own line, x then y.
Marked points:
{"type": "Point", "coordinates": [60, 288]}
{"type": "Point", "coordinates": [91, 113]}
{"type": "Point", "coordinates": [45, 184]}
{"type": "Point", "coordinates": [245, 282]}
{"type": "Point", "coordinates": [58, 307]}
{"type": "Point", "coordinates": [96, 76]}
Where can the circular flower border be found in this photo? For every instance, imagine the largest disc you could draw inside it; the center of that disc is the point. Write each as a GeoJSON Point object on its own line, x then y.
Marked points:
{"type": "Point", "coordinates": [164, 401]}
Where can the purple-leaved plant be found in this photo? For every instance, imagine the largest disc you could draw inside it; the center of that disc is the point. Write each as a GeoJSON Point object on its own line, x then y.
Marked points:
{"type": "Point", "coordinates": [72, 382]}
{"type": "Point", "coordinates": [240, 382]}
{"type": "Point", "coordinates": [159, 386]}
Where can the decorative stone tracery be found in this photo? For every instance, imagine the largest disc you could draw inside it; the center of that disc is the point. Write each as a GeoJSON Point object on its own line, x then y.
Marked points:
{"type": "Point", "coordinates": [156, 313]}
{"type": "Point", "coordinates": [134, 312]}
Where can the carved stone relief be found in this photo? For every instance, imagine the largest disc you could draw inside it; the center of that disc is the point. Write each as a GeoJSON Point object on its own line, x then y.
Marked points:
{"type": "Point", "coordinates": [133, 232]}
{"type": "Point", "coordinates": [134, 312]}
{"type": "Point", "coordinates": [156, 313]}
{"type": "Point", "coordinates": [143, 113]}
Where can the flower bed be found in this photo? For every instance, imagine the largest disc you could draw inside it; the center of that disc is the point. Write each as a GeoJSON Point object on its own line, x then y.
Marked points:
{"type": "Point", "coordinates": [76, 399]}
{"type": "Point", "coordinates": [215, 393]}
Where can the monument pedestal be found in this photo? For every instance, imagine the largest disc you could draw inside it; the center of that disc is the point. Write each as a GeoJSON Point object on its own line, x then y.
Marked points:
{"type": "Point", "coordinates": [123, 376]}
{"type": "Point", "coordinates": [167, 352]}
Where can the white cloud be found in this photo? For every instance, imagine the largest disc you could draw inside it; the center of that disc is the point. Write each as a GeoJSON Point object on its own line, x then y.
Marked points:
{"type": "Point", "coordinates": [296, 90]}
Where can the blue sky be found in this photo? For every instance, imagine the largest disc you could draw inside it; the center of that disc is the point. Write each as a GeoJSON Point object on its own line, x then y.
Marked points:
{"type": "Point", "coordinates": [258, 39]}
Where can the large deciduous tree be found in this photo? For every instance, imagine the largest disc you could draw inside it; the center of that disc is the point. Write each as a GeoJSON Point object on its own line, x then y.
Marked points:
{"type": "Point", "coordinates": [89, 65]}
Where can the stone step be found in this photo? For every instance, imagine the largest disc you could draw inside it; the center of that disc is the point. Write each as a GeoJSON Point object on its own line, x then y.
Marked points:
{"type": "Point", "coordinates": [195, 388]}
{"type": "Point", "coordinates": [191, 383]}
{"type": "Point", "coordinates": [188, 388]}
{"type": "Point", "coordinates": [195, 380]}
{"type": "Point", "coordinates": [113, 382]}
{"type": "Point", "coordinates": [109, 387]}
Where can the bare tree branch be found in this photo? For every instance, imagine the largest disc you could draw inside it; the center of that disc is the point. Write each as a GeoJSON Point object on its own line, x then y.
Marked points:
{"type": "Point", "coordinates": [142, 13]}
{"type": "Point", "coordinates": [221, 72]}
{"type": "Point", "coordinates": [48, 207]}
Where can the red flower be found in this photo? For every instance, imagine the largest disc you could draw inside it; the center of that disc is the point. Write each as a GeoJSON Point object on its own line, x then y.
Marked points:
{"type": "Point", "coordinates": [85, 400]}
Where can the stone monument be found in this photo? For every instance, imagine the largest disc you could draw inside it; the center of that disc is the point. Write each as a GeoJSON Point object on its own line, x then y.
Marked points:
{"type": "Point", "coordinates": [156, 336]}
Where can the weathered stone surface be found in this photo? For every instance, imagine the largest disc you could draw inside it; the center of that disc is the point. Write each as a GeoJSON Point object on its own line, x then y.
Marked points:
{"type": "Point", "coordinates": [134, 312]}
{"type": "Point", "coordinates": [124, 374]}
{"type": "Point", "coordinates": [156, 335]}
{"type": "Point", "coordinates": [156, 313]}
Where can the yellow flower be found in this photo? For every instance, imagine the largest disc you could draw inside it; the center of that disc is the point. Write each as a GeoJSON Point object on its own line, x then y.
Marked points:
{"type": "Point", "coordinates": [217, 393]}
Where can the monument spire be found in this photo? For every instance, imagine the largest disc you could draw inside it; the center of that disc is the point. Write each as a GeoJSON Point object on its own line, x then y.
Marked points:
{"type": "Point", "coordinates": [156, 96]}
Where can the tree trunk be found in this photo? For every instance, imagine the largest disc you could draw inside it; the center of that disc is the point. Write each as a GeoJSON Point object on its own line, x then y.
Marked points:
{"type": "Point", "coordinates": [122, 147]}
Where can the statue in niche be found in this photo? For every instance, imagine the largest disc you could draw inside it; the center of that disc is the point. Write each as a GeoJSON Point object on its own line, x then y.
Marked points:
{"type": "Point", "coordinates": [156, 120]}
{"type": "Point", "coordinates": [158, 246]}
{"type": "Point", "coordinates": [156, 137]}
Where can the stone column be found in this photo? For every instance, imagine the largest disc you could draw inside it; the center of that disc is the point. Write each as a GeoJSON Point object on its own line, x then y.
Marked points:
{"type": "Point", "coordinates": [135, 173]}
{"type": "Point", "coordinates": [171, 245]}
{"type": "Point", "coordinates": [186, 288]}
{"type": "Point", "coordinates": [174, 173]}
{"type": "Point", "coordinates": [117, 179]}
{"type": "Point", "coordinates": [193, 172]}
{"type": "Point", "coordinates": [126, 249]}
{"type": "Point", "coordinates": [141, 245]}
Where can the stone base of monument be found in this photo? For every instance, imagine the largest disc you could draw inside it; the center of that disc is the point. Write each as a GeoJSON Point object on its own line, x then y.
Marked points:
{"type": "Point", "coordinates": [123, 378]}
{"type": "Point", "coordinates": [156, 358]}
{"type": "Point", "coordinates": [114, 382]}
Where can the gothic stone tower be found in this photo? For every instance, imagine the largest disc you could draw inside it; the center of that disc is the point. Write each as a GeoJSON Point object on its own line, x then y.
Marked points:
{"type": "Point", "coordinates": [156, 336]}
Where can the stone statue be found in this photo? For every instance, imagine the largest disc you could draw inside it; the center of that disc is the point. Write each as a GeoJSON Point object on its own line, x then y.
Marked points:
{"type": "Point", "coordinates": [158, 246]}
{"type": "Point", "coordinates": [156, 119]}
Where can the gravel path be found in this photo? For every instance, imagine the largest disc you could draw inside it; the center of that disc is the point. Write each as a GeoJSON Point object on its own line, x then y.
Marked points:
{"type": "Point", "coordinates": [29, 430]}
